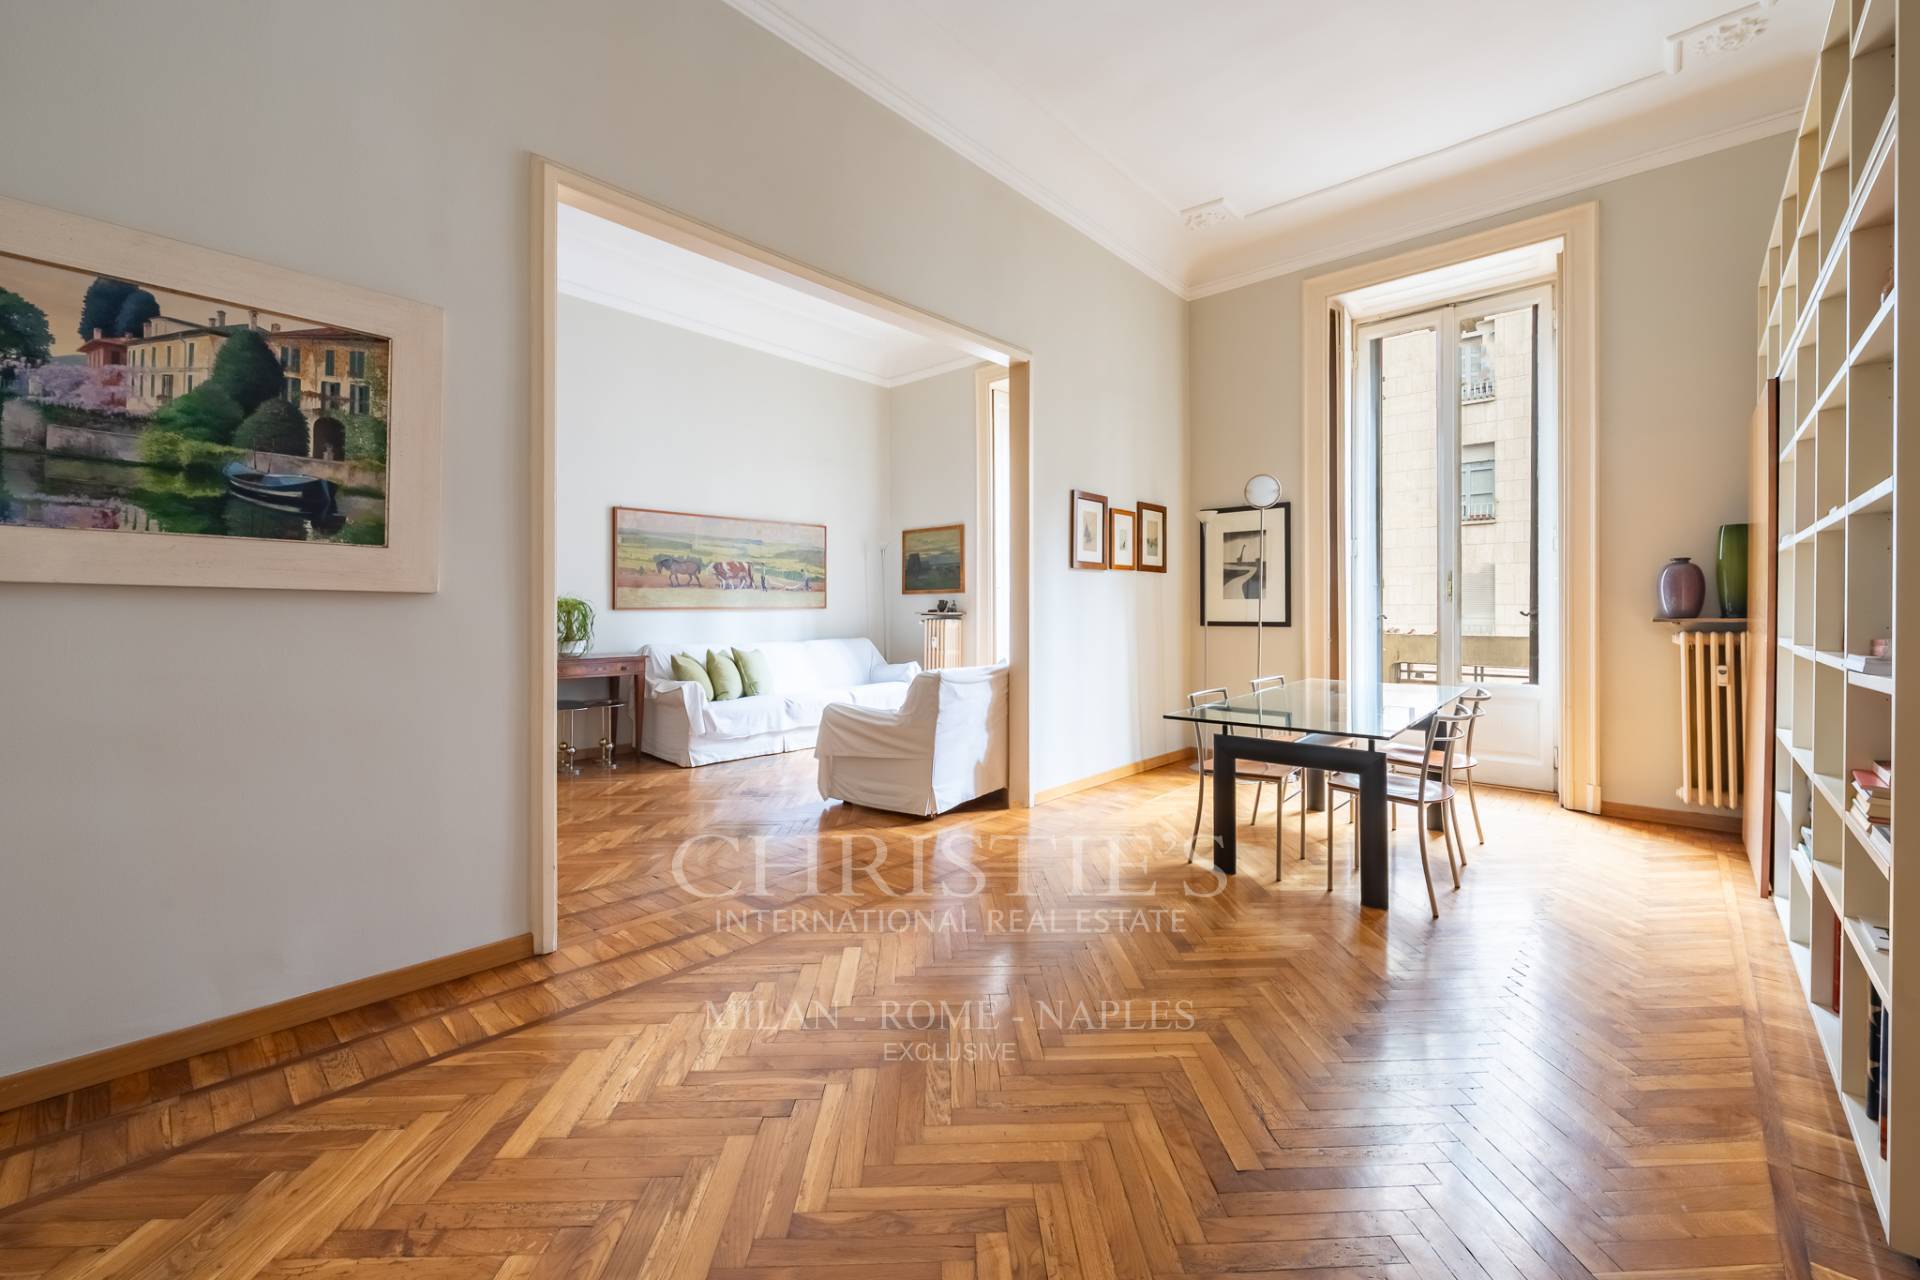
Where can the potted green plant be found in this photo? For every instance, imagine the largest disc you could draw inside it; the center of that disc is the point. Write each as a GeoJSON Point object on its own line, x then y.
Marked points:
{"type": "Point", "coordinates": [574, 625]}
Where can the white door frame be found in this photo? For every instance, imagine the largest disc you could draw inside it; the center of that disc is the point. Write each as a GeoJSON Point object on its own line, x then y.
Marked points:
{"type": "Point", "coordinates": [1504, 758]}
{"type": "Point", "coordinates": [1327, 330]}
{"type": "Point", "coordinates": [555, 185]}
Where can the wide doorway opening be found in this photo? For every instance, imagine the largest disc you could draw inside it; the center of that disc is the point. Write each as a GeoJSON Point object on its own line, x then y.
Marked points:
{"type": "Point", "coordinates": [782, 531]}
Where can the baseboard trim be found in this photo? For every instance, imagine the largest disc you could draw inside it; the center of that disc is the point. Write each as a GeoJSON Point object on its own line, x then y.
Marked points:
{"type": "Point", "coordinates": [56, 1078]}
{"type": "Point", "coordinates": [1102, 778]}
{"type": "Point", "coordinates": [1727, 823]}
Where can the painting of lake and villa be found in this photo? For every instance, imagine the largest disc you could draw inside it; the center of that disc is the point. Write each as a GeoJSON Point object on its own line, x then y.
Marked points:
{"type": "Point", "coordinates": [673, 560]}
{"type": "Point", "coordinates": [141, 410]}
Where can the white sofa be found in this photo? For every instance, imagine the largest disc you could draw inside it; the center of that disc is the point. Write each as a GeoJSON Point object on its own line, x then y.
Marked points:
{"type": "Point", "coordinates": [681, 724]}
{"type": "Point", "coordinates": [945, 745]}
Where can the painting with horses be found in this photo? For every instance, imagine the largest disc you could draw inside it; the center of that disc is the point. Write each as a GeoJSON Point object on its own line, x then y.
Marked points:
{"type": "Point", "coordinates": [678, 560]}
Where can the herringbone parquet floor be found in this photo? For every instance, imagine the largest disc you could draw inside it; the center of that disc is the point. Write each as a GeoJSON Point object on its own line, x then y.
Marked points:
{"type": "Point", "coordinates": [1019, 1045]}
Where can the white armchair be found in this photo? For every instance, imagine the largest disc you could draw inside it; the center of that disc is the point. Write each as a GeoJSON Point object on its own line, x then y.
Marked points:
{"type": "Point", "coordinates": [945, 745]}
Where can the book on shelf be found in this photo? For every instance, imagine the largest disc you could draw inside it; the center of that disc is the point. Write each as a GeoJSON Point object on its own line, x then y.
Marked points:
{"type": "Point", "coordinates": [1838, 943]}
{"type": "Point", "coordinates": [1873, 1054]}
{"type": "Point", "coordinates": [1869, 666]}
{"type": "Point", "coordinates": [1881, 936]}
{"type": "Point", "coordinates": [1883, 769]}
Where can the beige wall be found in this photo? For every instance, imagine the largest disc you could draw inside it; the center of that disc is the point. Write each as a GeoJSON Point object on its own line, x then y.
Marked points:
{"type": "Point", "coordinates": [218, 799]}
{"type": "Point", "coordinates": [932, 461]}
{"type": "Point", "coordinates": [650, 415]}
{"type": "Point", "coordinates": [1678, 248]}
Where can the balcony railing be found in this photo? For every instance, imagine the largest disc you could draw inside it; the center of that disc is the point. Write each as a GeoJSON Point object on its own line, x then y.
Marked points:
{"type": "Point", "coordinates": [1476, 387]}
{"type": "Point", "coordinates": [1476, 508]}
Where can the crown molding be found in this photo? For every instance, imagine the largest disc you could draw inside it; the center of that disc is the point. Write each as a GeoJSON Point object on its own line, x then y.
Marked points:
{"type": "Point", "coordinates": [789, 29]}
{"type": "Point", "coordinates": [1412, 229]}
{"type": "Point", "coordinates": [1172, 271]}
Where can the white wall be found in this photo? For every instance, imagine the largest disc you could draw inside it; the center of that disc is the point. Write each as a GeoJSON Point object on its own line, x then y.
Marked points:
{"type": "Point", "coordinates": [654, 416]}
{"type": "Point", "coordinates": [147, 732]}
{"type": "Point", "coordinates": [932, 478]}
{"type": "Point", "coordinates": [1679, 251]}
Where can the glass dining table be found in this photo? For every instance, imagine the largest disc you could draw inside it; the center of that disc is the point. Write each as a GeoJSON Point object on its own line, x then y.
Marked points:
{"type": "Point", "coordinates": [1320, 726]}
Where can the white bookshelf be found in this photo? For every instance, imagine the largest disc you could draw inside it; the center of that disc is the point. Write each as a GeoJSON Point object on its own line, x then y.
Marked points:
{"type": "Point", "coordinates": [1828, 317]}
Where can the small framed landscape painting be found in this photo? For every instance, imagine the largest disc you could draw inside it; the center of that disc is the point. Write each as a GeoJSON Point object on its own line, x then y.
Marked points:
{"type": "Point", "coordinates": [678, 560]}
{"type": "Point", "coordinates": [934, 561]}
{"type": "Point", "coordinates": [1087, 531]}
{"type": "Point", "coordinates": [175, 416]}
{"type": "Point", "coordinates": [1234, 574]}
{"type": "Point", "coordinates": [1120, 548]}
{"type": "Point", "coordinates": [1151, 538]}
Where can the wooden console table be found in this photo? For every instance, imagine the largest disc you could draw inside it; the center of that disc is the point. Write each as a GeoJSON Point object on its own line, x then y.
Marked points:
{"type": "Point", "coordinates": [613, 668]}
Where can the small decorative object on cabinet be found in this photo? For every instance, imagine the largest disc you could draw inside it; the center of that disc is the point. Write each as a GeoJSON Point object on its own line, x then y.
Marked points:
{"type": "Point", "coordinates": [1683, 589]}
{"type": "Point", "coordinates": [1845, 571]}
{"type": "Point", "coordinates": [573, 625]}
{"type": "Point", "coordinates": [1087, 536]}
{"type": "Point", "coordinates": [1120, 548]}
{"type": "Point", "coordinates": [933, 560]}
{"type": "Point", "coordinates": [1152, 538]}
{"type": "Point", "coordinates": [1730, 570]}
{"type": "Point", "coordinates": [941, 644]}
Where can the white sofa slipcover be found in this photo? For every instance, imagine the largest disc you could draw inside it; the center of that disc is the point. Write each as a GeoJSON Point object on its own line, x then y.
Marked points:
{"type": "Point", "coordinates": [681, 724]}
{"type": "Point", "coordinates": [945, 745]}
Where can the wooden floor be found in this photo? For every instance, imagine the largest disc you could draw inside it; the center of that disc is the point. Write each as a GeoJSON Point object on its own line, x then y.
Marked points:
{"type": "Point", "coordinates": [1594, 1062]}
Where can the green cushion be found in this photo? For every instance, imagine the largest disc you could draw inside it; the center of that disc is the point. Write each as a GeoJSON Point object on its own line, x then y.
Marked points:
{"type": "Point", "coordinates": [686, 667]}
{"type": "Point", "coordinates": [725, 676]}
{"type": "Point", "coordinates": [755, 674]}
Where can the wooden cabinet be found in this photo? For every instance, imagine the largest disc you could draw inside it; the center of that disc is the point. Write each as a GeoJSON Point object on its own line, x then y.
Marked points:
{"type": "Point", "coordinates": [942, 643]}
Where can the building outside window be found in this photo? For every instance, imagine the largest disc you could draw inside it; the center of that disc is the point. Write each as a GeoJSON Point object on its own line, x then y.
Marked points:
{"type": "Point", "coordinates": [1476, 483]}
{"type": "Point", "coordinates": [327, 362]}
{"type": "Point", "coordinates": [362, 396]}
{"type": "Point", "coordinates": [1476, 370]}
{"type": "Point", "coordinates": [356, 364]}
{"type": "Point", "coordinates": [293, 392]}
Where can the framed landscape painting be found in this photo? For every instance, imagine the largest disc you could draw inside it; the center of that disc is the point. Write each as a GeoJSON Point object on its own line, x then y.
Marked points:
{"type": "Point", "coordinates": [175, 416]}
{"type": "Point", "coordinates": [679, 560]}
{"type": "Point", "coordinates": [1234, 574]}
{"type": "Point", "coordinates": [933, 561]}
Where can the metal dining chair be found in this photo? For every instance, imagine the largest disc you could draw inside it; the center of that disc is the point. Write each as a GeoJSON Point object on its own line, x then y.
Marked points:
{"type": "Point", "coordinates": [1406, 756]}
{"type": "Point", "coordinates": [1446, 731]}
{"type": "Point", "coordinates": [1247, 771]}
{"type": "Point", "coordinates": [1288, 773]}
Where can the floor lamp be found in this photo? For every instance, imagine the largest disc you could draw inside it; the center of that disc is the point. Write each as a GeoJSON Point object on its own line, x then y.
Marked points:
{"type": "Point", "coordinates": [1263, 491]}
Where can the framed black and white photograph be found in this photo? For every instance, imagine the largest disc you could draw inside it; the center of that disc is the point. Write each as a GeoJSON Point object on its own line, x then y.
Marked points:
{"type": "Point", "coordinates": [1234, 573]}
{"type": "Point", "coordinates": [1152, 537]}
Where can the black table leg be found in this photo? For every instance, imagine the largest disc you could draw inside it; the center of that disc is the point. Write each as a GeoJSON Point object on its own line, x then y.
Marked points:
{"type": "Point", "coordinates": [1373, 831]}
{"type": "Point", "coordinates": [1226, 802]}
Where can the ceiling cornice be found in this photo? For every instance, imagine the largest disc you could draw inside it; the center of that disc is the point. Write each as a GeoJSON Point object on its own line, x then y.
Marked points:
{"type": "Point", "coordinates": [1168, 264]}
{"type": "Point", "coordinates": [1457, 216]}
{"type": "Point", "coordinates": [1168, 274]}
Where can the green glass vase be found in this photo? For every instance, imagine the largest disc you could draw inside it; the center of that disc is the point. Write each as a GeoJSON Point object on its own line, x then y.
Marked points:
{"type": "Point", "coordinates": [1730, 571]}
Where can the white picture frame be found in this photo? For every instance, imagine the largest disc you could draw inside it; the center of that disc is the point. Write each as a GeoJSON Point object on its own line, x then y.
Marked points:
{"type": "Point", "coordinates": [409, 560]}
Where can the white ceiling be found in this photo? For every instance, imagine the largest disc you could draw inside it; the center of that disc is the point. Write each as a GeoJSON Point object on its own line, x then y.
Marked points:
{"type": "Point", "coordinates": [616, 266]}
{"type": "Point", "coordinates": [1215, 144]}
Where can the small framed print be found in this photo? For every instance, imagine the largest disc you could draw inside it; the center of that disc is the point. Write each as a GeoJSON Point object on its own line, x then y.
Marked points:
{"type": "Point", "coordinates": [1087, 533]}
{"type": "Point", "coordinates": [1120, 541]}
{"type": "Point", "coordinates": [1151, 538]}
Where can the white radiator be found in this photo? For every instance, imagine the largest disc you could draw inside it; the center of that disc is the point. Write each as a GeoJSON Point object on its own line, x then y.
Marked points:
{"type": "Point", "coordinates": [1713, 668]}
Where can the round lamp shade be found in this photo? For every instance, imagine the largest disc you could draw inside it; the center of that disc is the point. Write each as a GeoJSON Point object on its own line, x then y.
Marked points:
{"type": "Point", "coordinates": [1263, 491]}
